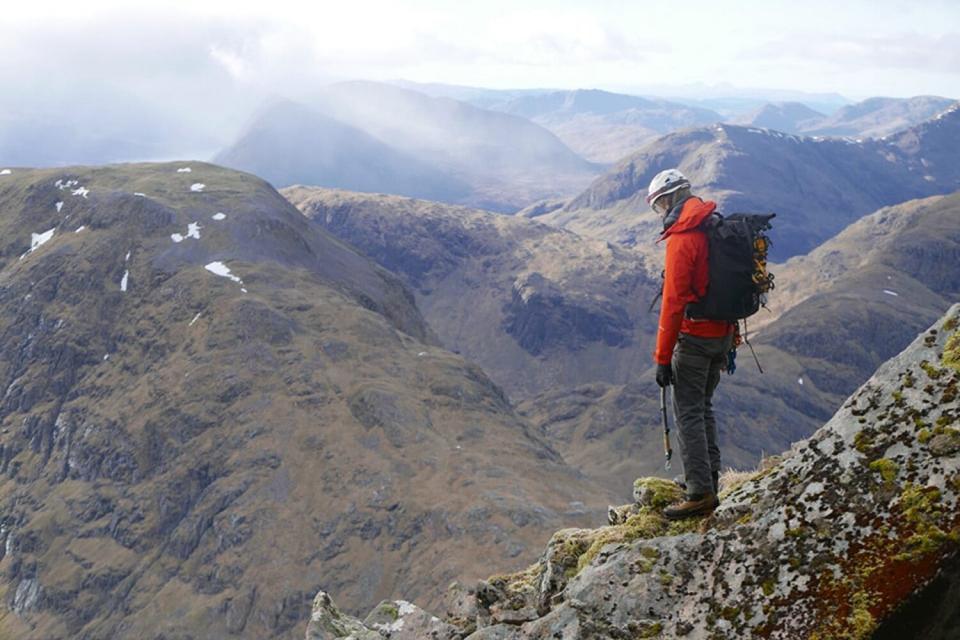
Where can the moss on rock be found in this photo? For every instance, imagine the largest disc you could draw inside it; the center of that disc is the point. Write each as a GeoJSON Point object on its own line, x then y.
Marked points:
{"type": "Point", "coordinates": [951, 352]}
{"type": "Point", "coordinates": [921, 508]}
{"type": "Point", "coordinates": [656, 492]}
{"type": "Point", "coordinates": [886, 468]}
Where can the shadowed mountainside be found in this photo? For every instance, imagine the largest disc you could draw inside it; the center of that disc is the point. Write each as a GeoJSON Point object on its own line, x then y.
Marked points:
{"type": "Point", "coordinates": [492, 160]}
{"type": "Point", "coordinates": [536, 307]}
{"type": "Point", "coordinates": [289, 143]}
{"type": "Point", "coordinates": [212, 408]}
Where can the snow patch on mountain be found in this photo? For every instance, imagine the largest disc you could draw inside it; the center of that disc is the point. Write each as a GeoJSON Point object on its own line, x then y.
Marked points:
{"type": "Point", "coordinates": [220, 269]}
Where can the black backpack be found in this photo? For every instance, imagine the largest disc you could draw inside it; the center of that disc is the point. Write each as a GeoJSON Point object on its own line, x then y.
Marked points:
{"type": "Point", "coordinates": [739, 280]}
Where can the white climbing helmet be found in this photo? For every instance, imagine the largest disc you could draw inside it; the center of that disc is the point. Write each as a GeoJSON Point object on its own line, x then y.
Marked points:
{"type": "Point", "coordinates": [665, 182]}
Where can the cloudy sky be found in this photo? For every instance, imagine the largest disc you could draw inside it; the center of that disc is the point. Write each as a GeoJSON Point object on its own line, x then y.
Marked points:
{"type": "Point", "coordinates": [857, 48]}
{"type": "Point", "coordinates": [203, 67]}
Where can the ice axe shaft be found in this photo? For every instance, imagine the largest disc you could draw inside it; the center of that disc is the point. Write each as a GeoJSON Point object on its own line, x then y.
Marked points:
{"type": "Point", "coordinates": [667, 450]}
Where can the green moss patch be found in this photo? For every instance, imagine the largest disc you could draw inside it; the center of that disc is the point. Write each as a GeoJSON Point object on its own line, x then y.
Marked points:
{"type": "Point", "coordinates": [951, 353]}
{"type": "Point", "coordinates": [922, 510]}
{"type": "Point", "coordinates": [656, 492]}
{"type": "Point", "coordinates": [651, 630]}
{"type": "Point", "coordinates": [933, 371]}
{"type": "Point", "coordinates": [886, 468]}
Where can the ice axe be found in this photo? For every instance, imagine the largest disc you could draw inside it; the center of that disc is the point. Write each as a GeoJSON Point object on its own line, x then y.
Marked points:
{"type": "Point", "coordinates": [667, 450]}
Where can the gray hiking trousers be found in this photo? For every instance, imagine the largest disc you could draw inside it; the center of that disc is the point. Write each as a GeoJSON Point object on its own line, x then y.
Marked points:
{"type": "Point", "coordinates": [697, 363]}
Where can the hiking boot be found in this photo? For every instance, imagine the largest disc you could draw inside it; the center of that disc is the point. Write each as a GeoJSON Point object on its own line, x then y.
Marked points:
{"type": "Point", "coordinates": [696, 505]}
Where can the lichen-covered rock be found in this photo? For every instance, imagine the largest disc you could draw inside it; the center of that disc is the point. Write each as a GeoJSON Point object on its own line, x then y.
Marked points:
{"type": "Point", "coordinates": [402, 620]}
{"type": "Point", "coordinates": [393, 619]}
{"type": "Point", "coordinates": [826, 542]}
{"type": "Point", "coordinates": [327, 622]}
{"type": "Point", "coordinates": [461, 605]}
{"type": "Point", "coordinates": [656, 492]}
{"type": "Point", "coordinates": [823, 545]}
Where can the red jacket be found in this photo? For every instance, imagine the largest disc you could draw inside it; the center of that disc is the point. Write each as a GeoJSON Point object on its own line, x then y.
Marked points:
{"type": "Point", "coordinates": [685, 280]}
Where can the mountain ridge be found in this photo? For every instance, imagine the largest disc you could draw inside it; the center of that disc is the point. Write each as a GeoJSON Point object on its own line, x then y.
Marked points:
{"type": "Point", "coordinates": [816, 186]}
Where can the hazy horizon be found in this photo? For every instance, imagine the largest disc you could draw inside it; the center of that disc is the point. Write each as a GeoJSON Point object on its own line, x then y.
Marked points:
{"type": "Point", "coordinates": [161, 78]}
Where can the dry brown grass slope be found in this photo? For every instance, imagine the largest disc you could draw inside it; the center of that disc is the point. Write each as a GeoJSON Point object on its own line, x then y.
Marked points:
{"type": "Point", "coordinates": [183, 459]}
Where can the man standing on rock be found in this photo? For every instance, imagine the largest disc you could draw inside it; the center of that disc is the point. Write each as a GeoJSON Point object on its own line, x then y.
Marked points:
{"type": "Point", "coordinates": [690, 352]}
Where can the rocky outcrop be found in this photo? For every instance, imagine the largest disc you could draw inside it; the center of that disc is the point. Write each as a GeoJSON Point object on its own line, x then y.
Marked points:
{"type": "Point", "coordinates": [834, 540]}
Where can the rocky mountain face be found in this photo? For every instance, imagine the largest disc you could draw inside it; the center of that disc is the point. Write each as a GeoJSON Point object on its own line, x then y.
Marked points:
{"type": "Point", "coordinates": [603, 126]}
{"type": "Point", "coordinates": [816, 186]}
{"type": "Point", "coordinates": [859, 297]}
{"type": "Point", "coordinates": [212, 409]}
{"type": "Point", "coordinates": [538, 308]}
{"type": "Point", "coordinates": [841, 537]}
{"type": "Point", "coordinates": [492, 160]}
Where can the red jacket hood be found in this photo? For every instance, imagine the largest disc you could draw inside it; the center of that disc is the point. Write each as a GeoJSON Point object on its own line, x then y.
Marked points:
{"type": "Point", "coordinates": [694, 212]}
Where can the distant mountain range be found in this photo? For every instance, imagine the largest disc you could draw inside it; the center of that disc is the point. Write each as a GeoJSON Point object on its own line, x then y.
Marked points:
{"type": "Point", "coordinates": [872, 118]}
{"type": "Point", "coordinates": [604, 126]}
{"type": "Point", "coordinates": [816, 186]}
{"type": "Point", "coordinates": [212, 408]}
{"type": "Point", "coordinates": [788, 117]}
{"type": "Point", "coordinates": [492, 160]}
{"type": "Point", "coordinates": [724, 99]}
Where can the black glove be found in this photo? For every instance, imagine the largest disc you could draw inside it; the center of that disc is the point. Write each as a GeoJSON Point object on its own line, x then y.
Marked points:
{"type": "Point", "coordinates": [664, 375]}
